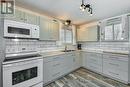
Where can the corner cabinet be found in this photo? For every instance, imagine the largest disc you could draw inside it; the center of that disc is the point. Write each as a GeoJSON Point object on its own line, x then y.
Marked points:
{"type": "Point", "coordinates": [92, 61]}
{"type": "Point", "coordinates": [49, 29]}
{"type": "Point", "coordinates": [88, 34]}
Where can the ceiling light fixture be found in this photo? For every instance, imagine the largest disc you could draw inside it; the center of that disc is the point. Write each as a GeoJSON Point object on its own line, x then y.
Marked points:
{"type": "Point", "coordinates": [87, 7]}
{"type": "Point", "coordinates": [67, 22]}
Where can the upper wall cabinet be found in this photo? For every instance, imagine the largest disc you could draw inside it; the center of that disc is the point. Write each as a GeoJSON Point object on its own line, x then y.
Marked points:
{"type": "Point", "coordinates": [22, 16]}
{"type": "Point", "coordinates": [31, 18]}
{"type": "Point", "coordinates": [49, 29]}
{"type": "Point", "coordinates": [115, 29]}
{"type": "Point", "coordinates": [88, 34]}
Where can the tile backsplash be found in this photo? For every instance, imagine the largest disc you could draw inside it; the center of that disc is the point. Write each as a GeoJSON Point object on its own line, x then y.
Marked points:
{"type": "Point", "coordinates": [106, 45]}
{"type": "Point", "coordinates": [26, 45]}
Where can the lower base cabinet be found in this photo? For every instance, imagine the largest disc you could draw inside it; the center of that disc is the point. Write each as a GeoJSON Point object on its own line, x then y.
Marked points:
{"type": "Point", "coordinates": [92, 61]}
{"type": "Point", "coordinates": [116, 66]}
{"type": "Point", "coordinates": [57, 66]}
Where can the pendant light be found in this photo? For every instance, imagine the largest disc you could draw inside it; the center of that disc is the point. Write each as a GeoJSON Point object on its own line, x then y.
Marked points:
{"type": "Point", "coordinates": [87, 7]}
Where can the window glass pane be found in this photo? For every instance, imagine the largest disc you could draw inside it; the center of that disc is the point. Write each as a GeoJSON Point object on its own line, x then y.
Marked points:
{"type": "Point", "coordinates": [62, 34]}
{"type": "Point", "coordinates": [118, 32]}
{"type": "Point", "coordinates": [109, 32]}
{"type": "Point", "coordinates": [68, 36]}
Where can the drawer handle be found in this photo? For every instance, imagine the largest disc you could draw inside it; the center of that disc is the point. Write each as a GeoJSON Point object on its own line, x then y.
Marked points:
{"type": "Point", "coordinates": [113, 73]}
{"type": "Point", "coordinates": [93, 60]}
{"type": "Point", "coordinates": [56, 58]}
{"type": "Point", "coordinates": [56, 65]}
{"type": "Point", "coordinates": [93, 67]}
{"type": "Point", "coordinates": [56, 74]}
{"type": "Point", "coordinates": [113, 64]}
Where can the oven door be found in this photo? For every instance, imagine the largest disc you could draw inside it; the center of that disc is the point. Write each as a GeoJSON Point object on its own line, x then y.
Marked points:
{"type": "Point", "coordinates": [17, 29]}
{"type": "Point", "coordinates": [23, 74]}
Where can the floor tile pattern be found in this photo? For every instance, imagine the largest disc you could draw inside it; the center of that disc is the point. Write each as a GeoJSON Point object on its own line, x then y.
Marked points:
{"type": "Point", "coordinates": [85, 78]}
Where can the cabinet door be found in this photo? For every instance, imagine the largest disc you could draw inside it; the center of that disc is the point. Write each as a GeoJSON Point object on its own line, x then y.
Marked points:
{"type": "Point", "coordinates": [56, 30]}
{"type": "Point", "coordinates": [44, 30]}
{"type": "Point", "coordinates": [53, 30]}
{"type": "Point", "coordinates": [69, 63]}
{"type": "Point", "coordinates": [47, 72]}
{"type": "Point", "coordinates": [84, 60]}
{"type": "Point", "coordinates": [88, 34]}
{"type": "Point", "coordinates": [77, 60]}
{"type": "Point", "coordinates": [18, 16]}
{"type": "Point", "coordinates": [81, 34]}
{"type": "Point", "coordinates": [31, 19]}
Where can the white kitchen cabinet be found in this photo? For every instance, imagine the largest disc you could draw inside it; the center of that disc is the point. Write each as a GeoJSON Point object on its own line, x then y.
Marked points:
{"type": "Point", "coordinates": [49, 29]}
{"type": "Point", "coordinates": [47, 70]}
{"type": "Point", "coordinates": [88, 34]}
{"type": "Point", "coordinates": [92, 61]}
{"type": "Point", "coordinates": [77, 60]}
{"type": "Point", "coordinates": [22, 16]}
{"type": "Point", "coordinates": [56, 66]}
{"type": "Point", "coordinates": [52, 68]}
{"type": "Point", "coordinates": [116, 66]}
{"type": "Point", "coordinates": [69, 62]}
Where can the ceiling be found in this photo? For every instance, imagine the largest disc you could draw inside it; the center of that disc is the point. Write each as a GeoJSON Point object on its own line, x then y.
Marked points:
{"type": "Point", "coordinates": [69, 9]}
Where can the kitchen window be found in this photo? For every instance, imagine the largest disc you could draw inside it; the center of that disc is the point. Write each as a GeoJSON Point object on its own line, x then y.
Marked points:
{"type": "Point", "coordinates": [116, 30]}
{"type": "Point", "coordinates": [67, 36]}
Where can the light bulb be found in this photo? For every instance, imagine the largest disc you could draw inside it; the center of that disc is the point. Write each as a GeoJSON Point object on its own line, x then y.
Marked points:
{"type": "Point", "coordinates": [91, 14]}
{"type": "Point", "coordinates": [83, 9]}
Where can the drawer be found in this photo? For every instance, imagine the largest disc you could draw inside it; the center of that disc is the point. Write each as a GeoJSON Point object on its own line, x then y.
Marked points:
{"type": "Point", "coordinates": [122, 75]}
{"type": "Point", "coordinates": [56, 75]}
{"type": "Point", "coordinates": [49, 59]}
{"type": "Point", "coordinates": [116, 57]}
{"type": "Point", "coordinates": [115, 64]}
{"type": "Point", "coordinates": [97, 61]}
{"type": "Point", "coordinates": [94, 54]}
{"type": "Point", "coordinates": [94, 67]}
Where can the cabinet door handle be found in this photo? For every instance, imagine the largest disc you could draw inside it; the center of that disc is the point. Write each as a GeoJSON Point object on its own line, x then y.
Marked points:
{"type": "Point", "coordinates": [56, 74]}
{"type": "Point", "coordinates": [56, 58]}
{"type": "Point", "coordinates": [56, 65]}
{"type": "Point", "coordinates": [114, 64]}
{"type": "Point", "coordinates": [113, 73]}
{"type": "Point", "coordinates": [93, 67]}
{"type": "Point", "coordinates": [25, 19]}
{"type": "Point", "coordinates": [93, 60]}
{"type": "Point", "coordinates": [21, 18]}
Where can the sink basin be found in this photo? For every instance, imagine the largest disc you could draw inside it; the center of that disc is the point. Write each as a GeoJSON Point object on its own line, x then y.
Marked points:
{"type": "Point", "coordinates": [67, 50]}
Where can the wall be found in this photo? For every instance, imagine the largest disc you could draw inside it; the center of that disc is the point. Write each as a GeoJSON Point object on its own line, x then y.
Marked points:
{"type": "Point", "coordinates": [2, 49]}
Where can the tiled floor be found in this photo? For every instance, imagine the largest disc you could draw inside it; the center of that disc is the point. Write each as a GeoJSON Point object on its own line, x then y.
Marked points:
{"type": "Point", "coordinates": [85, 78]}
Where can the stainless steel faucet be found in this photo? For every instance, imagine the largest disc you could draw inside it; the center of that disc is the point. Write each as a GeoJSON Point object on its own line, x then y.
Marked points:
{"type": "Point", "coordinates": [65, 47]}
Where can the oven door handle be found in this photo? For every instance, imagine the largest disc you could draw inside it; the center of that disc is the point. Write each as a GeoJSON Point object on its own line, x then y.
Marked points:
{"type": "Point", "coordinates": [22, 63]}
